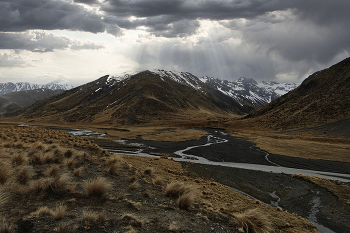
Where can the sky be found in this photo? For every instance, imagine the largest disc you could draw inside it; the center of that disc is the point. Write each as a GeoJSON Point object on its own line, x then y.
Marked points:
{"type": "Point", "coordinates": [81, 40]}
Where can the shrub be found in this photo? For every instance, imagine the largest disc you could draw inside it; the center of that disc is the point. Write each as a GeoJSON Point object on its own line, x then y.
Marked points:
{"type": "Point", "coordinates": [96, 187]}
{"type": "Point", "coordinates": [253, 221]}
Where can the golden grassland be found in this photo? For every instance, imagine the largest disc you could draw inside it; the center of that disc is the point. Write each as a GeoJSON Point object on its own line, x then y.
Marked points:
{"type": "Point", "coordinates": [302, 146]}
{"type": "Point", "coordinates": [53, 182]}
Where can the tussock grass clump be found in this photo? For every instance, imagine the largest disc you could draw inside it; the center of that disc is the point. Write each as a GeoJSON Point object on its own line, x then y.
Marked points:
{"type": "Point", "coordinates": [24, 174]}
{"type": "Point", "coordinates": [254, 221]}
{"type": "Point", "coordinates": [43, 211]}
{"type": "Point", "coordinates": [157, 181]}
{"type": "Point", "coordinates": [66, 227]}
{"type": "Point", "coordinates": [5, 172]}
{"type": "Point", "coordinates": [113, 164]}
{"type": "Point", "coordinates": [59, 212]}
{"type": "Point", "coordinates": [40, 185]}
{"type": "Point", "coordinates": [96, 187]}
{"type": "Point", "coordinates": [90, 216]}
{"type": "Point", "coordinates": [78, 171]}
{"type": "Point", "coordinates": [186, 200]}
{"type": "Point", "coordinates": [19, 159]}
{"type": "Point", "coordinates": [53, 171]}
{"type": "Point", "coordinates": [176, 189]}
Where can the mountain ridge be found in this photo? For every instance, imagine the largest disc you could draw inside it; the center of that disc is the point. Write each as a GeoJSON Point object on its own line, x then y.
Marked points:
{"type": "Point", "coordinates": [9, 87]}
{"type": "Point", "coordinates": [322, 98]}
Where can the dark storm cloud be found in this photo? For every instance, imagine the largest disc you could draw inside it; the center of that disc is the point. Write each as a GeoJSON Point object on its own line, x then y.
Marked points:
{"type": "Point", "coordinates": [22, 15]}
{"type": "Point", "coordinates": [41, 42]}
{"type": "Point", "coordinates": [86, 1]}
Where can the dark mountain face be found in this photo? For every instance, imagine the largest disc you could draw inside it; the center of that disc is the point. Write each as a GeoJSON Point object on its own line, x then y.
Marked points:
{"type": "Point", "coordinates": [17, 100]}
{"type": "Point", "coordinates": [323, 97]}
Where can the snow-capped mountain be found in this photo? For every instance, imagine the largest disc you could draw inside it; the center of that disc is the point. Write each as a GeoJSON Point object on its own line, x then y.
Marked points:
{"type": "Point", "coordinates": [242, 90]}
{"type": "Point", "coordinates": [25, 86]}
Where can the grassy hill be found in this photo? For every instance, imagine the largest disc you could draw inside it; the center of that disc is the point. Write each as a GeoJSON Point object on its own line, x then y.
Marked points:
{"type": "Point", "coordinates": [322, 98]}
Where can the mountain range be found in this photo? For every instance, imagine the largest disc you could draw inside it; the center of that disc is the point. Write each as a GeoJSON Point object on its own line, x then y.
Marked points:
{"type": "Point", "coordinates": [157, 95]}
{"type": "Point", "coordinates": [9, 87]}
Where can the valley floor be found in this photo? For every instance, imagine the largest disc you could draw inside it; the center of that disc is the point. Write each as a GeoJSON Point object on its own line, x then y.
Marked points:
{"type": "Point", "coordinates": [51, 181]}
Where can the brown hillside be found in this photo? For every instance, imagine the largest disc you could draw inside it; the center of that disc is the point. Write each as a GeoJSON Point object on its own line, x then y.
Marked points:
{"type": "Point", "coordinates": [144, 97]}
{"type": "Point", "coordinates": [322, 98]}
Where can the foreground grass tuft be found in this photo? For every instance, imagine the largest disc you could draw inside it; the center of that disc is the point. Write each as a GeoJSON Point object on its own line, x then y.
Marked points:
{"type": "Point", "coordinates": [96, 187]}
{"type": "Point", "coordinates": [176, 189]}
{"type": "Point", "coordinates": [254, 221]}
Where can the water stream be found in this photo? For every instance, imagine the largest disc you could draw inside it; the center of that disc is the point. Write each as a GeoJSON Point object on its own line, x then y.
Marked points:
{"type": "Point", "coordinates": [184, 155]}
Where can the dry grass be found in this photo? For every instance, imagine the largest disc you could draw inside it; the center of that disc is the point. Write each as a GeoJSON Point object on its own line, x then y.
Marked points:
{"type": "Point", "coordinates": [96, 187]}
{"type": "Point", "coordinates": [4, 198]}
{"type": "Point", "coordinates": [113, 164]}
{"type": "Point", "coordinates": [302, 146]}
{"type": "Point", "coordinates": [254, 221]}
{"type": "Point", "coordinates": [158, 181]}
{"type": "Point", "coordinates": [66, 227]}
{"type": "Point", "coordinates": [43, 211]}
{"type": "Point", "coordinates": [24, 174]}
{"type": "Point", "coordinates": [134, 185]}
{"type": "Point", "coordinates": [173, 227]}
{"type": "Point", "coordinates": [5, 172]}
{"type": "Point", "coordinates": [176, 189]}
{"type": "Point", "coordinates": [53, 171]}
{"type": "Point", "coordinates": [5, 227]}
{"type": "Point", "coordinates": [186, 200]}
{"type": "Point", "coordinates": [19, 159]}
{"type": "Point", "coordinates": [90, 216]}
{"type": "Point", "coordinates": [78, 171]}
{"type": "Point", "coordinates": [59, 212]}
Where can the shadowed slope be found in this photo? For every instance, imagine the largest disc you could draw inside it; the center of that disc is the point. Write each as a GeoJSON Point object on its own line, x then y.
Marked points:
{"type": "Point", "coordinates": [322, 98]}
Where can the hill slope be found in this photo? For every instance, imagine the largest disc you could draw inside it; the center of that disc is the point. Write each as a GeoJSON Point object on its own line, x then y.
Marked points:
{"type": "Point", "coordinates": [17, 100]}
{"type": "Point", "coordinates": [141, 98]}
{"type": "Point", "coordinates": [322, 98]}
